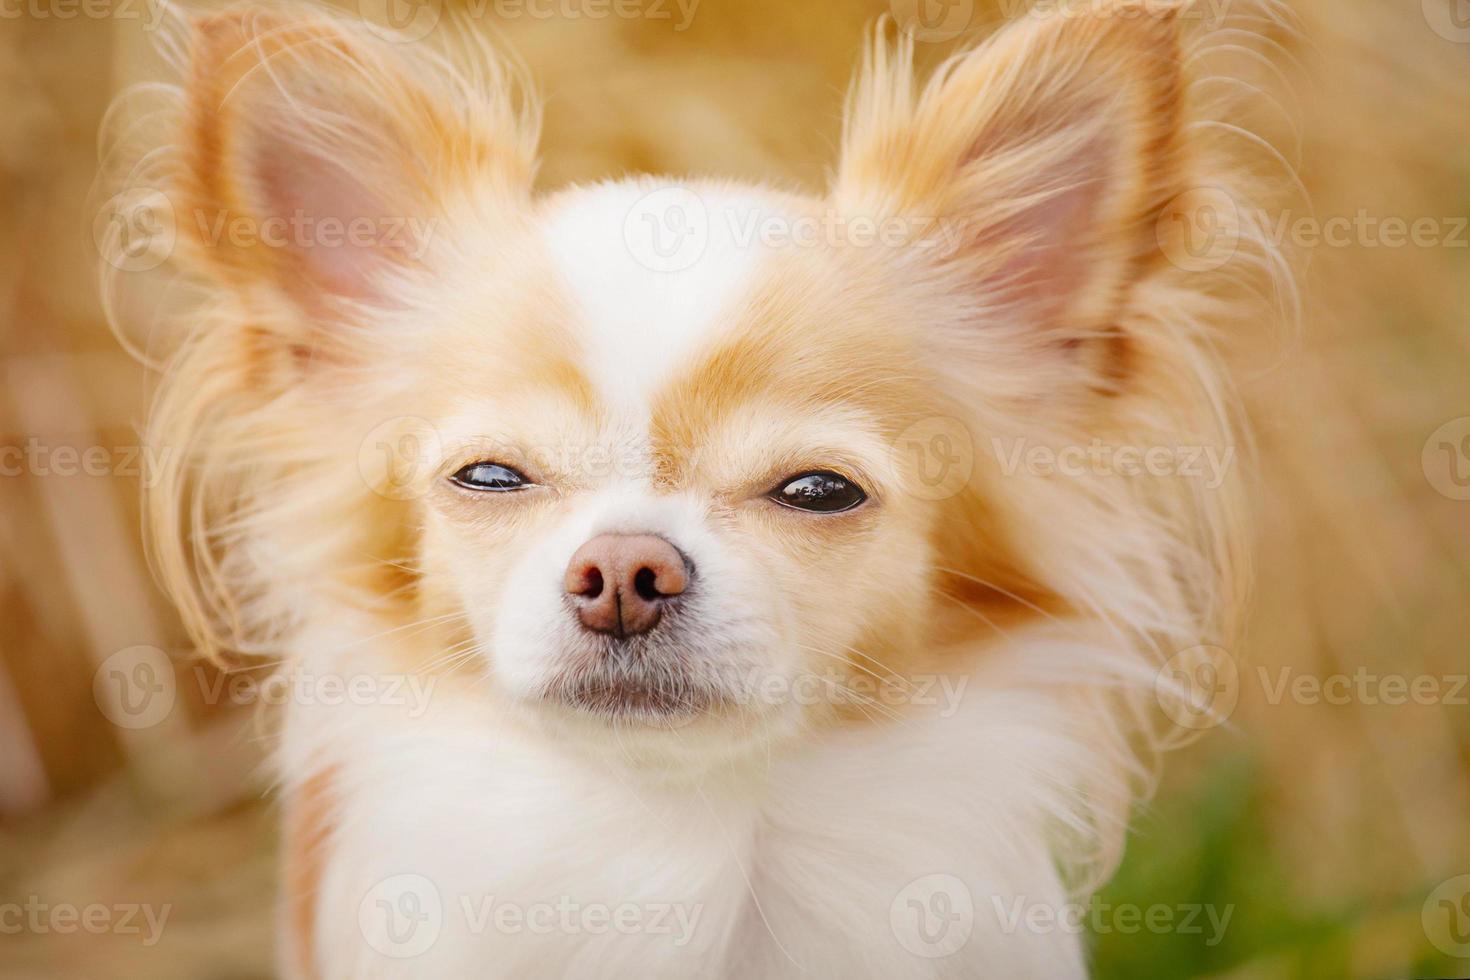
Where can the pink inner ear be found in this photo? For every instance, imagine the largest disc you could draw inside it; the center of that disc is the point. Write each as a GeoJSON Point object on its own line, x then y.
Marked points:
{"type": "Point", "coordinates": [1051, 267]}
{"type": "Point", "coordinates": [1055, 250]}
{"type": "Point", "coordinates": [338, 234]}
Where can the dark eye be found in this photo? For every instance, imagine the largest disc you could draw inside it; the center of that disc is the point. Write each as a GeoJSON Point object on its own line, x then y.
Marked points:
{"type": "Point", "coordinates": [822, 493]}
{"type": "Point", "coordinates": [489, 476]}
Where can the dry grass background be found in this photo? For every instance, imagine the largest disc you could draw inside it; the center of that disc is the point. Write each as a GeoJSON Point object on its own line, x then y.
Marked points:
{"type": "Point", "coordinates": [1325, 825]}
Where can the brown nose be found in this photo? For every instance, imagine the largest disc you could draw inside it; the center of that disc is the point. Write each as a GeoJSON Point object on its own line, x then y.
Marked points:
{"type": "Point", "coordinates": [618, 582]}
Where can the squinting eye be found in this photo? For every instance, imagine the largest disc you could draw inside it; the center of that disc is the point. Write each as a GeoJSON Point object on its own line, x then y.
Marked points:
{"type": "Point", "coordinates": [489, 476]}
{"type": "Point", "coordinates": [823, 493]}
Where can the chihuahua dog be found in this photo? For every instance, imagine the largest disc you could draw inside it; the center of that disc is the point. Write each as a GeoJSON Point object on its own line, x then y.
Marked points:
{"type": "Point", "coordinates": [715, 580]}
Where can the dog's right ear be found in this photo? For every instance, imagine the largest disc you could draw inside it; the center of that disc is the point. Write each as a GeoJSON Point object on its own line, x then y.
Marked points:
{"type": "Point", "coordinates": [1050, 153]}
{"type": "Point", "coordinates": [319, 157]}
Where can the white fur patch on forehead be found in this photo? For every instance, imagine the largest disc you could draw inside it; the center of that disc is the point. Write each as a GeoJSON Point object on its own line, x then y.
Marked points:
{"type": "Point", "coordinates": [653, 266]}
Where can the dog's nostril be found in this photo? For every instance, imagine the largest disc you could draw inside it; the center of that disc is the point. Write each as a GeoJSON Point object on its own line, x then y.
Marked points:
{"type": "Point", "coordinates": [591, 583]}
{"type": "Point", "coordinates": [645, 583]}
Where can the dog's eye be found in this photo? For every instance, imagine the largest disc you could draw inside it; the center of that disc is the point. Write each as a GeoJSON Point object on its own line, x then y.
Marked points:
{"type": "Point", "coordinates": [489, 476]}
{"type": "Point", "coordinates": [823, 493]}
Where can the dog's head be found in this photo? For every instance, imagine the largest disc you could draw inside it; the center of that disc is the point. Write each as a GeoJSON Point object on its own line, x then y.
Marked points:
{"type": "Point", "coordinates": [685, 453]}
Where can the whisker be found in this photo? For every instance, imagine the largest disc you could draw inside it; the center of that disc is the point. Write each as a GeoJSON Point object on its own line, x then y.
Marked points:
{"type": "Point", "coordinates": [893, 676]}
{"type": "Point", "coordinates": [1003, 591]}
{"type": "Point", "coordinates": [976, 613]}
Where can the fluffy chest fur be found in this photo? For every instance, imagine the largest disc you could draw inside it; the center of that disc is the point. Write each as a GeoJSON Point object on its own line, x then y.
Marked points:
{"type": "Point", "coordinates": [458, 843]}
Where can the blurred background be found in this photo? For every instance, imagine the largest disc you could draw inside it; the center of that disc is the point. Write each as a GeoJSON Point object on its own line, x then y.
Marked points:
{"type": "Point", "coordinates": [1332, 828]}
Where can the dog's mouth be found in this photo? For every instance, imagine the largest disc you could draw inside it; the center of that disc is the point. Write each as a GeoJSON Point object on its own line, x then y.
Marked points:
{"type": "Point", "coordinates": [660, 679]}
{"type": "Point", "coordinates": [662, 699]}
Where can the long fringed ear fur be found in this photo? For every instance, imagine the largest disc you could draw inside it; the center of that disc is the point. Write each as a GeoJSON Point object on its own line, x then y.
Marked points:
{"type": "Point", "coordinates": [1041, 162]}
{"type": "Point", "coordinates": [318, 156]}
{"type": "Point", "coordinates": [312, 167]}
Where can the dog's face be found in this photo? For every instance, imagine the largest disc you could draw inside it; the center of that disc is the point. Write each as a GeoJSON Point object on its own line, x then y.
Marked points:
{"type": "Point", "coordinates": [675, 442]}
{"type": "Point", "coordinates": [661, 494]}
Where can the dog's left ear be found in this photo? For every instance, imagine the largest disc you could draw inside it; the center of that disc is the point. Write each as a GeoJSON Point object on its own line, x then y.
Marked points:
{"type": "Point", "coordinates": [319, 157]}
{"type": "Point", "coordinates": [1034, 169]}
